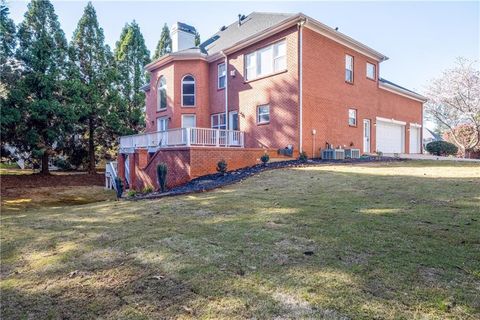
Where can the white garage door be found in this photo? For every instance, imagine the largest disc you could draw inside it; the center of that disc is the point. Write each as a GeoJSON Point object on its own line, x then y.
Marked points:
{"type": "Point", "coordinates": [390, 137]}
{"type": "Point", "coordinates": [414, 140]}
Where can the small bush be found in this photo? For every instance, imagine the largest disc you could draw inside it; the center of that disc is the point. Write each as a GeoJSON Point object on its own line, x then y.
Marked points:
{"type": "Point", "coordinates": [131, 193]}
{"type": "Point", "coordinates": [379, 153]}
{"type": "Point", "coordinates": [441, 148]}
{"type": "Point", "coordinates": [62, 164]}
{"type": "Point", "coordinates": [222, 166]}
{"type": "Point", "coordinates": [147, 189]}
{"type": "Point", "coordinates": [162, 171]}
{"type": "Point", "coordinates": [118, 187]}
{"type": "Point", "coordinates": [303, 156]}
{"type": "Point", "coordinates": [265, 158]}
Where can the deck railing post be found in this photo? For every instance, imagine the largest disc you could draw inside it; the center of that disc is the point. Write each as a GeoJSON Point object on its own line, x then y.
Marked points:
{"type": "Point", "coordinates": [217, 138]}
{"type": "Point", "coordinates": [187, 130]}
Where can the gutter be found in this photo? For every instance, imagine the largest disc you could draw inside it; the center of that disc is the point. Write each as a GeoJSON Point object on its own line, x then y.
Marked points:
{"type": "Point", "coordinates": [300, 82]}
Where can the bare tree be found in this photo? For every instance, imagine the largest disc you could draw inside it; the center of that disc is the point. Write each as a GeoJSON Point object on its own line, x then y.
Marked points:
{"type": "Point", "coordinates": [454, 100]}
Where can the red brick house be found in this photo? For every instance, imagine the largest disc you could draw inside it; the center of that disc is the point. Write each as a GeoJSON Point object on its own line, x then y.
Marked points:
{"type": "Point", "coordinates": [266, 82]}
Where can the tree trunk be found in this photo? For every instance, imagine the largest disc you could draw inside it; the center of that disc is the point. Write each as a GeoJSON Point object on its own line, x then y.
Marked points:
{"type": "Point", "coordinates": [91, 148]}
{"type": "Point", "coordinates": [45, 169]}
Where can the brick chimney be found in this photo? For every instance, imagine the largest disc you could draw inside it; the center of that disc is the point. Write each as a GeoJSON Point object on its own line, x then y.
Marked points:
{"type": "Point", "coordinates": [183, 36]}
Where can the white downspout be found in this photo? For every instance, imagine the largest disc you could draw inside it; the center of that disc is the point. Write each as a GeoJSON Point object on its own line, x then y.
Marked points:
{"type": "Point", "coordinates": [226, 90]}
{"type": "Point", "coordinates": [300, 85]}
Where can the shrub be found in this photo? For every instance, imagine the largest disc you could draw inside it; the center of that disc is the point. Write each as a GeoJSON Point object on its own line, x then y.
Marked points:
{"type": "Point", "coordinates": [162, 171]}
{"type": "Point", "coordinates": [131, 193]}
{"type": "Point", "coordinates": [147, 189]}
{"type": "Point", "coordinates": [118, 187]}
{"type": "Point", "coordinates": [222, 166]}
{"type": "Point", "coordinates": [303, 156]}
{"type": "Point", "coordinates": [62, 164]}
{"type": "Point", "coordinates": [265, 158]}
{"type": "Point", "coordinates": [441, 148]}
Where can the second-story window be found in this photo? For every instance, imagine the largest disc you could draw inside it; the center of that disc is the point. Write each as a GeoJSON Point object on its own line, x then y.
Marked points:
{"type": "Point", "coordinates": [370, 71]}
{"type": "Point", "coordinates": [266, 61]}
{"type": "Point", "coordinates": [162, 94]}
{"type": "Point", "coordinates": [222, 75]}
{"type": "Point", "coordinates": [188, 91]}
{"type": "Point", "coordinates": [352, 117]}
{"type": "Point", "coordinates": [348, 68]}
{"type": "Point", "coordinates": [219, 121]}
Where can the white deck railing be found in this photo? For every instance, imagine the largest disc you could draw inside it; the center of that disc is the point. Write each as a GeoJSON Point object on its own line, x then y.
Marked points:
{"type": "Point", "coordinates": [185, 137]}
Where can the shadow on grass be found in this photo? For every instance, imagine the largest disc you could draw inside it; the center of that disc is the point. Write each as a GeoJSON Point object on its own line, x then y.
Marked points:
{"type": "Point", "coordinates": [381, 246]}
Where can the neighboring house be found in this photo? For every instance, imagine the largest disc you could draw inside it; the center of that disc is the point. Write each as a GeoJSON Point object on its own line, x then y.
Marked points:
{"type": "Point", "coordinates": [266, 82]}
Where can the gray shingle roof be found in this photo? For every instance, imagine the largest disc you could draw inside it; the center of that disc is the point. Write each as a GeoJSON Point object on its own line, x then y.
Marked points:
{"type": "Point", "coordinates": [396, 85]}
{"type": "Point", "coordinates": [254, 23]}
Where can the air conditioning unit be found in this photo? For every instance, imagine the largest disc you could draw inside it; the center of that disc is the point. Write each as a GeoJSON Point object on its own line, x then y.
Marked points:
{"type": "Point", "coordinates": [333, 154]}
{"type": "Point", "coordinates": [352, 153]}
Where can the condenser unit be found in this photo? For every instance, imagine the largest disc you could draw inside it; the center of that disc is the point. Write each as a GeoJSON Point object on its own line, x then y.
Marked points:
{"type": "Point", "coordinates": [352, 153]}
{"type": "Point", "coordinates": [333, 154]}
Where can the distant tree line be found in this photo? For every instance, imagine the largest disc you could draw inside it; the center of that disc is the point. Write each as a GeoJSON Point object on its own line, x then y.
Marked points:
{"type": "Point", "coordinates": [75, 98]}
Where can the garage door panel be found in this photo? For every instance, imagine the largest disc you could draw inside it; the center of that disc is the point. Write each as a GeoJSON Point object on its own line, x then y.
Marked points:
{"type": "Point", "coordinates": [390, 137]}
{"type": "Point", "coordinates": [414, 140]}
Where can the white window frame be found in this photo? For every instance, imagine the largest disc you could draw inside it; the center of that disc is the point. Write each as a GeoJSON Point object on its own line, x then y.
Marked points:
{"type": "Point", "coordinates": [349, 66]}
{"type": "Point", "coordinates": [354, 118]}
{"type": "Point", "coordinates": [374, 71]}
{"type": "Point", "coordinates": [194, 116]}
{"type": "Point", "coordinates": [259, 121]}
{"type": "Point", "coordinates": [159, 98]}
{"type": "Point", "coordinates": [253, 71]}
{"type": "Point", "coordinates": [219, 125]}
{"type": "Point", "coordinates": [189, 94]}
{"type": "Point", "coordinates": [221, 75]}
{"type": "Point", "coordinates": [162, 119]}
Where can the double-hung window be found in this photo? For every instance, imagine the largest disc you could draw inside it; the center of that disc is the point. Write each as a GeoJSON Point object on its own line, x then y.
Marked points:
{"type": "Point", "coordinates": [263, 114]}
{"type": "Point", "coordinates": [348, 68]}
{"type": "Point", "coordinates": [162, 94]}
{"type": "Point", "coordinates": [352, 117]}
{"type": "Point", "coordinates": [266, 61]}
{"type": "Point", "coordinates": [188, 91]}
{"type": "Point", "coordinates": [219, 121]}
{"type": "Point", "coordinates": [370, 71]}
{"type": "Point", "coordinates": [222, 75]}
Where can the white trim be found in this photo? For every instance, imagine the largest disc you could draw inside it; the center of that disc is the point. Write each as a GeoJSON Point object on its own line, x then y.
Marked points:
{"type": "Point", "coordinates": [169, 58]}
{"type": "Point", "coordinates": [415, 125]}
{"type": "Point", "coordinates": [194, 91]}
{"type": "Point", "coordinates": [391, 121]}
{"type": "Point", "coordinates": [300, 84]}
{"type": "Point", "coordinates": [401, 92]}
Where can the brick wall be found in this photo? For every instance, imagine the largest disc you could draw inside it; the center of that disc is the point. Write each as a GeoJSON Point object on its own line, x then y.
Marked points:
{"type": "Point", "coordinates": [185, 164]}
{"type": "Point", "coordinates": [327, 97]}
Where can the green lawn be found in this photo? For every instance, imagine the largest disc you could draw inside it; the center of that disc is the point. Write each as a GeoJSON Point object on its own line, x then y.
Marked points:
{"type": "Point", "coordinates": [391, 241]}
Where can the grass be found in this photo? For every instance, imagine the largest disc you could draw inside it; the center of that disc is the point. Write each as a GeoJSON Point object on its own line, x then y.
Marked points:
{"type": "Point", "coordinates": [392, 241]}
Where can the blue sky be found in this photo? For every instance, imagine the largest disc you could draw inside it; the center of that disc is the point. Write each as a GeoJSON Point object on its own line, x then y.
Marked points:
{"type": "Point", "coordinates": [421, 38]}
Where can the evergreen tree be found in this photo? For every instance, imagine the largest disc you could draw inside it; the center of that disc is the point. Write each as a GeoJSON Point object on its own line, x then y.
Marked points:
{"type": "Point", "coordinates": [131, 55]}
{"type": "Point", "coordinates": [164, 45]}
{"type": "Point", "coordinates": [38, 96]}
{"type": "Point", "coordinates": [197, 39]}
{"type": "Point", "coordinates": [8, 75]}
{"type": "Point", "coordinates": [93, 61]}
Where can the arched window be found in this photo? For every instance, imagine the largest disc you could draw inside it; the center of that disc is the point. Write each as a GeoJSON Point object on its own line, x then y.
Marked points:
{"type": "Point", "coordinates": [162, 94]}
{"type": "Point", "coordinates": [188, 91]}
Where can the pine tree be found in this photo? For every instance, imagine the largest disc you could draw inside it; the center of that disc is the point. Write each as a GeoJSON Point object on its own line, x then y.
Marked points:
{"type": "Point", "coordinates": [197, 39]}
{"type": "Point", "coordinates": [164, 45]}
{"type": "Point", "coordinates": [93, 64]}
{"type": "Point", "coordinates": [9, 115]}
{"type": "Point", "coordinates": [46, 120]}
{"type": "Point", "coordinates": [131, 55]}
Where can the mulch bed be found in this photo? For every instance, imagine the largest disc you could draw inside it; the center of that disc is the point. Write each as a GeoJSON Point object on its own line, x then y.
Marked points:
{"type": "Point", "coordinates": [217, 180]}
{"type": "Point", "coordinates": [53, 180]}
